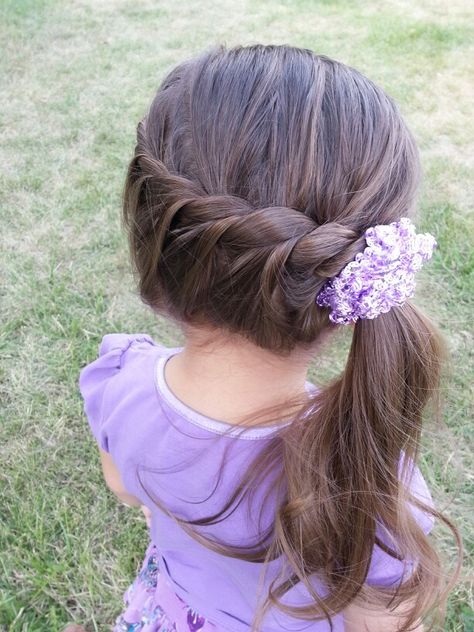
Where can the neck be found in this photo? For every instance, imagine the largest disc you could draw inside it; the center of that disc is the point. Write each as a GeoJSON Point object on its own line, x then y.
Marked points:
{"type": "Point", "coordinates": [227, 377]}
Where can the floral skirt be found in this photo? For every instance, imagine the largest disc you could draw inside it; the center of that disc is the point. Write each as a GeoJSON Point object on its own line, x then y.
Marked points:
{"type": "Point", "coordinates": [152, 606]}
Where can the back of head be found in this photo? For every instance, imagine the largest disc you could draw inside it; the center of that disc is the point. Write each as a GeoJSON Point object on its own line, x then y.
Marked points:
{"type": "Point", "coordinates": [263, 167]}
{"type": "Point", "coordinates": [256, 173]}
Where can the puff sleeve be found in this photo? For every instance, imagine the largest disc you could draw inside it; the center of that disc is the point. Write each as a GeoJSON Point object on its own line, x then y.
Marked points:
{"type": "Point", "coordinates": [96, 378]}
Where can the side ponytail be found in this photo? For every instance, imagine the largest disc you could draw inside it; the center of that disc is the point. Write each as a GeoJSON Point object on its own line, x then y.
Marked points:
{"type": "Point", "coordinates": [348, 470]}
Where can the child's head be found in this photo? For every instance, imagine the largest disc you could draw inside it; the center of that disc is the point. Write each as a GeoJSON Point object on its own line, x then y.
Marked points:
{"type": "Point", "coordinates": [256, 173]}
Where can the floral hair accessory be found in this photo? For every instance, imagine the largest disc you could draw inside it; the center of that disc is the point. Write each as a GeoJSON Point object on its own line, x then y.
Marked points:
{"type": "Point", "coordinates": [380, 277]}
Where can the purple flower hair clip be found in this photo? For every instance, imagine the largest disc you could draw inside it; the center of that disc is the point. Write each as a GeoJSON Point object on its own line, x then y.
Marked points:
{"type": "Point", "coordinates": [380, 277]}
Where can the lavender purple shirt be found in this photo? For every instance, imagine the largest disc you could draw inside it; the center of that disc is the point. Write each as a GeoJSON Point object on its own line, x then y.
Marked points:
{"type": "Point", "coordinates": [164, 449]}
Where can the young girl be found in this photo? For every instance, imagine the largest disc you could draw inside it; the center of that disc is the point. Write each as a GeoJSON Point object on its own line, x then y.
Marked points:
{"type": "Point", "coordinates": [267, 206]}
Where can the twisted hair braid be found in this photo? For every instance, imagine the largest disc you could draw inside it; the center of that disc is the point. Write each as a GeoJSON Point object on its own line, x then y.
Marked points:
{"type": "Point", "coordinates": [291, 256]}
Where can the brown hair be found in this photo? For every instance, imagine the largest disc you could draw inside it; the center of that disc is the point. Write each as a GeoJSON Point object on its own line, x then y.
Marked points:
{"type": "Point", "coordinates": [256, 172]}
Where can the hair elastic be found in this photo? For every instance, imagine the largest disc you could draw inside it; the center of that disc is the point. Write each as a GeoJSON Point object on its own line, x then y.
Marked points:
{"type": "Point", "coordinates": [380, 277]}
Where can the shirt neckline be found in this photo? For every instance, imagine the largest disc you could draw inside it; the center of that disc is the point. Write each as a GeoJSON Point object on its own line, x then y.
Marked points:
{"type": "Point", "coordinates": [208, 423]}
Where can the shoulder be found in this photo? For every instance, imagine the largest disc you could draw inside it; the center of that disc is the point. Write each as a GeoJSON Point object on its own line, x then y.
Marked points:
{"type": "Point", "coordinates": [124, 365]}
{"type": "Point", "coordinates": [117, 352]}
{"type": "Point", "coordinates": [118, 348]}
{"type": "Point", "coordinates": [385, 570]}
{"type": "Point", "coordinates": [418, 492]}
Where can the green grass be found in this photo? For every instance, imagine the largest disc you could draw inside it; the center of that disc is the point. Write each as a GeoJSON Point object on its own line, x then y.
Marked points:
{"type": "Point", "coordinates": [76, 77]}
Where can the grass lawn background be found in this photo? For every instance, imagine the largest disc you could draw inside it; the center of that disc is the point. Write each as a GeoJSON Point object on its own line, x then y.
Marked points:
{"type": "Point", "coordinates": [76, 77]}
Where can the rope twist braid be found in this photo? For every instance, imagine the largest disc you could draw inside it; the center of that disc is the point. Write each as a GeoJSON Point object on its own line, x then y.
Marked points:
{"type": "Point", "coordinates": [284, 236]}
